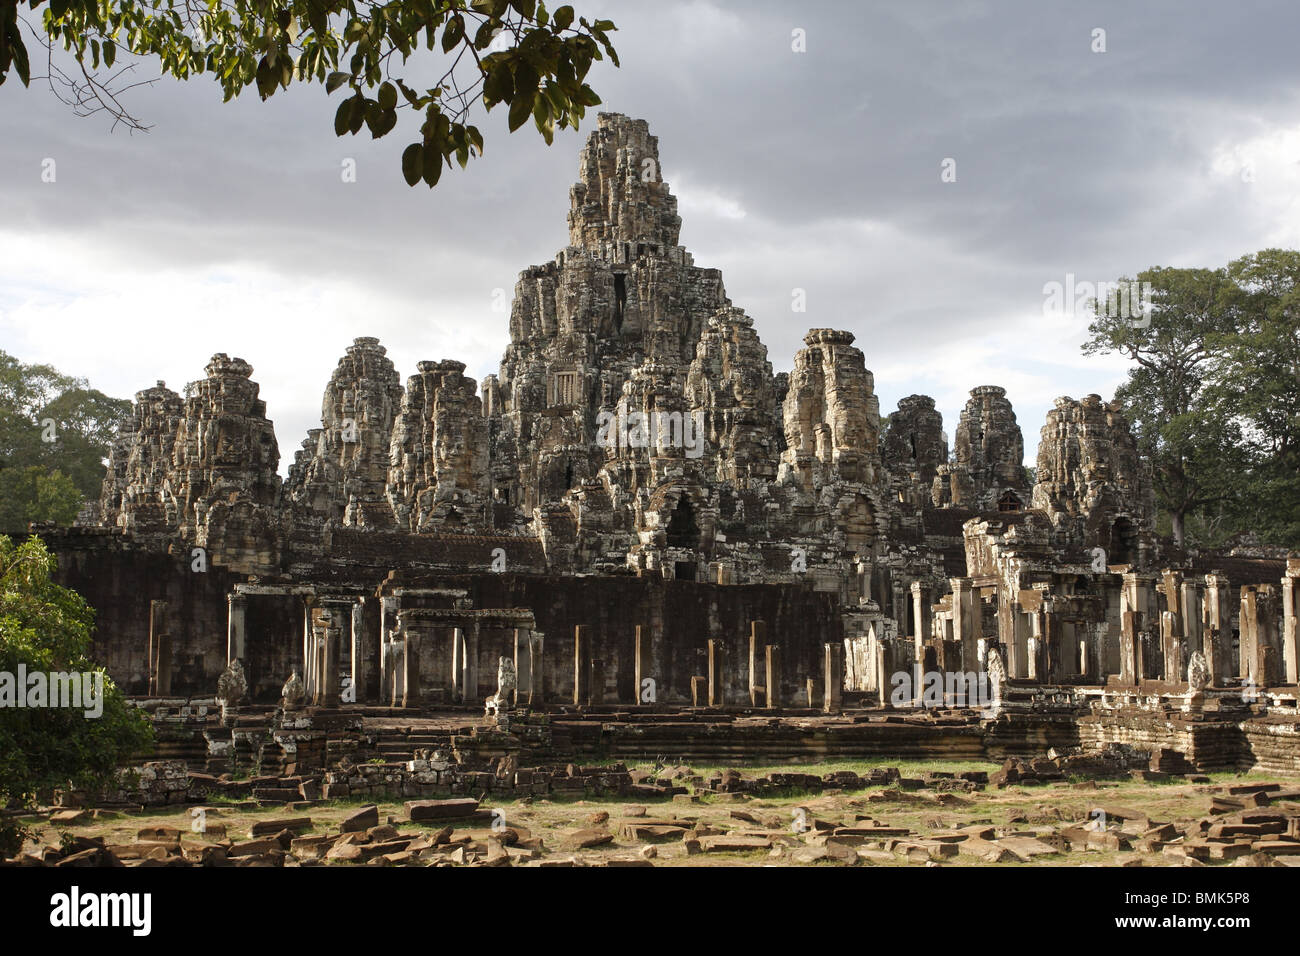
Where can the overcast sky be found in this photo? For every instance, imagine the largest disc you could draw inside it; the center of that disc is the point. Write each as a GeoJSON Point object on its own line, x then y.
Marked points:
{"type": "Point", "coordinates": [228, 227]}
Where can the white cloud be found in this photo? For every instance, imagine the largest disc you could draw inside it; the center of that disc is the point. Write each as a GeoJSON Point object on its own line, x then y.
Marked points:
{"type": "Point", "coordinates": [124, 325]}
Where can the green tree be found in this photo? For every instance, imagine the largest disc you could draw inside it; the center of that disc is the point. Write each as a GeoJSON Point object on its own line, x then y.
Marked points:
{"type": "Point", "coordinates": [538, 72]}
{"type": "Point", "coordinates": [1259, 381]}
{"type": "Point", "coordinates": [55, 433]}
{"type": "Point", "coordinates": [1190, 437]}
{"type": "Point", "coordinates": [1214, 394]}
{"type": "Point", "coordinates": [47, 628]}
{"type": "Point", "coordinates": [34, 494]}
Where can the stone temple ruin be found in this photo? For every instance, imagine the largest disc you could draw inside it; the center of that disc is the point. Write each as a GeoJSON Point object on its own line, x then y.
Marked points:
{"type": "Point", "coordinates": [661, 535]}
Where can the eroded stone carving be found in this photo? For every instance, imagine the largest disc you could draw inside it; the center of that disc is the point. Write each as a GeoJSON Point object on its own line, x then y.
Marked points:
{"type": "Point", "coordinates": [997, 676]}
{"type": "Point", "coordinates": [506, 684]}
{"type": "Point", "coordinates": [341, 472]}
{"type": "Point", "coordinates": [1091, 482]}
{"type": "Point", "coordinates": [232, 685]}
{"type": "Point", "coordinates": [293, 690]}
{"type": "Point", "coordinates": [1198, 672]}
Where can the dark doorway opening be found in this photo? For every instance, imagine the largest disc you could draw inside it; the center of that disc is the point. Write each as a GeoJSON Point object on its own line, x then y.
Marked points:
{"type": "Point", "coordinates": [1123, 542]}
{"type": "Point", "coordinates": [683, 532]}
{"type": "Point", "coordinates": [620, 298]}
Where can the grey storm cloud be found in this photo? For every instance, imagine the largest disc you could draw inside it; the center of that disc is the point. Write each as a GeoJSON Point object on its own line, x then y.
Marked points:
{"type": "Point", "coordinates": [817, 171]}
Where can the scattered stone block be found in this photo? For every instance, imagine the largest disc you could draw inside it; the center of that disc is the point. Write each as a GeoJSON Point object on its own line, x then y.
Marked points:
{"type": "Point", "coordinates": [362, 819]}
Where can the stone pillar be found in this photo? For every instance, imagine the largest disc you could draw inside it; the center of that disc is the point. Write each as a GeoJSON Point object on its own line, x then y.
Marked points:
{"type": "Point", "coordinates": [642, 664]}
{"type": "Point", "coordinates": [537, 692]}
{"type": "Point", "coordinates": [1034, 646]}
{"type": "Point", "coordinates": [1217, 630]}
{"type": "Point", "coordinates": [899, 605]}
{"type": "Point", "coordinates": [699, 690]}
{"type": "Point", "coordinates": [160, 650]}
{"type": "Point", "coordinates": [773, 695]}
{"type": "Point", "coordinates": [396, 645]}
{"type": "Point", "coordinates": [1172, 629]}
{"type": "Point", "coordinates": [880, 668]}
{"type": "Point", "coordinates": [581, 664]}
{"type": "Point", "coordinates": [920, 611]}
{"type": "Point", "coordinates": [471, 688]}
{"type": "Point", "coordinates": [1050, 667]}
{"type": "Point", "coordinates": [1291, 621]}
{"type": "Point", "coordinates": [1190, 598]}
{"type": "Point", "coordinates": [924, 626]}
{"type": "Point", "coordinates": [833, 677]}
{"type": "Point", "coordinates": [523, 668]}
{"type": "Point", "coordinates": [457, 664]}
{"type": "Point", "coordinates": [1171, 646]}
{"type": "Point", "coordinates": [1247, 638]}
{"type": "Point", "coordinates": [362, 659]}
{"type": "Point", "coordinates": [757, 642]}
{"type": "Point", "coordinates": [1137, 610]}
{"type": "Point", "coordinates": [332, 619]}
{"type": "Point", "coordinates": [1130, 648]}
{"type": "Point", "coordinates": [411, 641]}
{"type": "Point", "coordinates": [1260, 648]}
{"type": "Point", "coordinates": [308, 653]}
{"type": "Point", "coordinates": [717, 676]}
{"type": "Point", "coordinates": [388, 607]}
{"type": "Point", "coordinates": [1023, 616]}
{"type": "Point", "coordinates": [965, 605]}
{"type": "Point", "coordinates": [1084, 651]}
{"type": "Point", "coordinates": [236, 606]}
{"type": "Point", "coordinates": [320, 626]}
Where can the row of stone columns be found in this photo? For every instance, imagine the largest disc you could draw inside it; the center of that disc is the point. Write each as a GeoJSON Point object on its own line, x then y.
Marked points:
{"type": "Point", "coordinates": [406, 640]}
{"type": "Point", "coordinates": [326, 624]}
{"type": "Point", "coordinates": [1164, 619]}
{"type": "Point", "coordinates": [763, 678]}
{"type": "Point", "coordinates": [324, 621]}
{"type": "Point", "coordinates": [1158, 642]}
{"type": "Point", "coordinates": [1197, 617]}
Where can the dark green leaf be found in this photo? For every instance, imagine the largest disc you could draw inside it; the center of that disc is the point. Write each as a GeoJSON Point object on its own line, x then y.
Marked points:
{"type": "Point", "coordinates": [413, 163]}
{"type": "Point", "coordinates": [432, 168]}
{"type": "Point", "coordinates": [520, 109]}
{"type": "Point", "coordinates": [499, 85]}
{"type": "Point", "coordinates": [453, 33]}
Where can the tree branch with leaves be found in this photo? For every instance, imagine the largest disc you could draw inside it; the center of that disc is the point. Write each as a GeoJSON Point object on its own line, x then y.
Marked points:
{"type": "Point", "coordinates": [494, 52]}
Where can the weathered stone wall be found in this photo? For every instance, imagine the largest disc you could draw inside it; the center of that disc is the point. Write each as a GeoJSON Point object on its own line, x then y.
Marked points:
{"type": "Point", "coordinates": [119, 579]}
